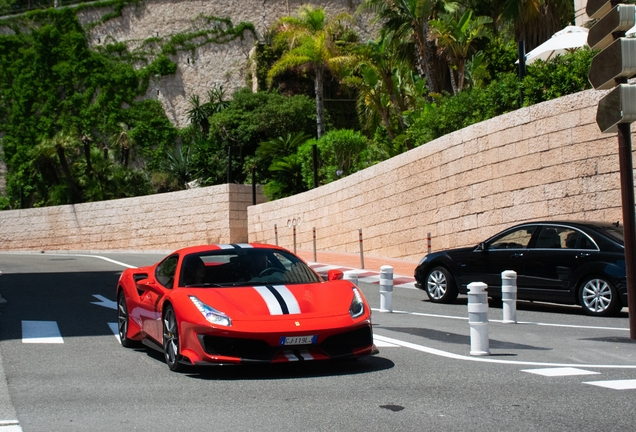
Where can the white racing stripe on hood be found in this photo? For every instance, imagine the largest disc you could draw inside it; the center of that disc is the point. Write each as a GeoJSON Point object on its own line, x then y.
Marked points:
{"type": "Point", "coordinates": [289, 303]}
{"type": "Point", "coordinates": [270, 300]}
{"type": "Point", "coordinates": [290, 300]}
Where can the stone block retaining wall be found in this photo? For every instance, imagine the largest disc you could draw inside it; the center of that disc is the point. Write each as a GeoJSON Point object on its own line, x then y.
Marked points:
{"type": "Point", "coordinates": [216, 214]}
{"type": "Point", "coordinates": [547, 161]}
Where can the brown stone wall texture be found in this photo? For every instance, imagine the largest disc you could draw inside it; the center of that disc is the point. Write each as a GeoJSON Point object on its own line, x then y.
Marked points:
{"type": "Point", "coordinates": [547, 161]}
{"type": "Point", "coordinates": [216, 214]}
{"type": "Point", "coordinates": [212, 64]}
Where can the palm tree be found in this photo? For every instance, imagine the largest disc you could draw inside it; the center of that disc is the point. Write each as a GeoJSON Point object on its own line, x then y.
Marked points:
{"type": "Point", "coordinates": [408, 23]}
{"type": "Point", "coordinates": [313, 49]}
{"type": "Point", "coordinates": [377, 74]}
{"type": "Point", "coordinates": [535, 21]}
{"type": "Point", "coordinates": [455, 39]}
{"type": "Point", "coordinates": [57, 147]}
{"type": "Point", "coordinates": [123, 141]}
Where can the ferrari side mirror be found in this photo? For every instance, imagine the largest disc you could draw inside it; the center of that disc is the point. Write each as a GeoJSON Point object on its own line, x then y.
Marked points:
{"type": "Point", "coordinates": [334, 275]}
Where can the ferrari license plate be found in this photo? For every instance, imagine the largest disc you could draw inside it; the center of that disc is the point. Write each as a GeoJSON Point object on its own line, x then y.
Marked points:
{"type": "Point", "coordinates": [298, 340]}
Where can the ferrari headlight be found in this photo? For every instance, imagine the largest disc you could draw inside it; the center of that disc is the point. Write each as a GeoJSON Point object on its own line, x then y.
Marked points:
{"type": "Point", "coordinates": [357, 305]}
{"type": "Point", "coordinates": [212, 315]}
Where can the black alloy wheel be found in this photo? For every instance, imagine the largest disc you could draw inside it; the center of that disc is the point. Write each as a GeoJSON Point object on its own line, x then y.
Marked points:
{"type": "Point", "coordinates": [440, 286]}
{"type": "Point", "coordinates": [122, 322]}
{"type": "Point", "coordinates": [171, 340]}
{"type": "Point", "coordinates": [599, 297]}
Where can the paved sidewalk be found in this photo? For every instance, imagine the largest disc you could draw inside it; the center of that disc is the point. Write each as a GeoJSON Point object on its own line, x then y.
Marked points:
{"type": "Point", "coordinates": [325, 261]}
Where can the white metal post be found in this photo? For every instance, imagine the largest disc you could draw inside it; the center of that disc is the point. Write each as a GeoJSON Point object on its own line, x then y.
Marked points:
{"type": "Point", "coordinates": [478, 318]}
{"type": "Point", "coordinates": [386, 288]}
{"type": "Point", "coordinates": [509, 296]}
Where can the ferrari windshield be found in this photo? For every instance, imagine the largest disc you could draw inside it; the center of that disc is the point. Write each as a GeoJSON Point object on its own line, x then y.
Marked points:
{"type": "Point", "coordinates": [246, 266]}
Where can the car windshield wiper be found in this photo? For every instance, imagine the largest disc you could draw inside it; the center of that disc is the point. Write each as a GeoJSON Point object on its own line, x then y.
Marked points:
{"type": "Point", "coordinates": [203, 285]}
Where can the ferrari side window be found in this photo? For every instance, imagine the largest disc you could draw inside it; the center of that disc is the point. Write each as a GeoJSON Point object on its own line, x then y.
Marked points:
{"type": "Point", "coordinates": [516, 239]}
{"type": "Point", "coordinates": [166, 270]}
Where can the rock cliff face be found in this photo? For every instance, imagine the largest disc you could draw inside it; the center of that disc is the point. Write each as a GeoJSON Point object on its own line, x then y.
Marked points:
{"type": "Point", "coordinates": [212, 64]}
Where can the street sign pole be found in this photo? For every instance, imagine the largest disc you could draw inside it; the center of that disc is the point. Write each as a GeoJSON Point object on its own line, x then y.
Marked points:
{"type": "Point", "coordinates": [611, 68]}
{"type": "Point", "coordinates": [629, 218]}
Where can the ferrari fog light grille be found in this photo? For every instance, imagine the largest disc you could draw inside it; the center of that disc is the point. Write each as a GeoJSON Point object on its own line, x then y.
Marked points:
{"type": "Point", "coordinates": [344, 343]}
{"type": "Point", "coordinates": [246, 349]}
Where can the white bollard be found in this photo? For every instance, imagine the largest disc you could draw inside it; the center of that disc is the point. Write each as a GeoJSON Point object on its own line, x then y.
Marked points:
{"type": "Point", "coordinates": [386, 288]}
{"type": "Point", "coordinates": [351, 276]}
{"type": "Point", "coordinates": [509, 296]}
{"type": "Point", "coordinates": [478, 318]}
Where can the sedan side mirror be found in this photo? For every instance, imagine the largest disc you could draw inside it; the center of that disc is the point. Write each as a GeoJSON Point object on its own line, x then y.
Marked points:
{"type": "Point", "coordinates": [483, 246]}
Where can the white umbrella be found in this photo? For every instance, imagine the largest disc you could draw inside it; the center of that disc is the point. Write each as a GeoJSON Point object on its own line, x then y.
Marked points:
{"type": "Point", "coordinates": [565, 40]}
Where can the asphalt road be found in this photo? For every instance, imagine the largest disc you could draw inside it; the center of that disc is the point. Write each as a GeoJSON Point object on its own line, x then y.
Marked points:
{"type": "Point", "coordinates": [557, 369]}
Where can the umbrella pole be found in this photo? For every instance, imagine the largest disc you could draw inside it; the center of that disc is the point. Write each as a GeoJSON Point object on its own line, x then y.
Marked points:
{"type": "Point", "coordinates": [522, 70]}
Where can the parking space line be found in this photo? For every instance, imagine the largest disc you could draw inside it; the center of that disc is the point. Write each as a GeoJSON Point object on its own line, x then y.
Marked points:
{"type": "Point", "coordinates": [446, 354]}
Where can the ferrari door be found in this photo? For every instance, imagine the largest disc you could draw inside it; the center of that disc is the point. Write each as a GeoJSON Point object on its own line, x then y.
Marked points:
{"type": "Point", "coordinates": [153, 293]}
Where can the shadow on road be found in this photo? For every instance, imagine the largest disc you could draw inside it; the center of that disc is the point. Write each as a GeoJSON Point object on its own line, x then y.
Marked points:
{"type": "Point", "coordinates": [291, 370]}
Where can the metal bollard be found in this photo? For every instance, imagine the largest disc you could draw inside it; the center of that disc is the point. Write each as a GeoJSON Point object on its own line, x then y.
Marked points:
{"type": "Point", "coordinates": [386, 288]}
{"type": "Point", "coordinates": [478, 318]}
{"type": "Point", "coordinates": [351, 276]}
{"type": "Point", "coordinates": [509, 296]}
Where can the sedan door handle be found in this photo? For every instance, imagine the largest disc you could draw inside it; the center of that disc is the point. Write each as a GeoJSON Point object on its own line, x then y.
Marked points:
{"type": "Point", "coordinates": [517, 255]}
{"type": "Point", "coordinates": [583, 255]}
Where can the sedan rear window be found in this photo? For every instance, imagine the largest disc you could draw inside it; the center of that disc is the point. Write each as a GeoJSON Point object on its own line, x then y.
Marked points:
{"type": "Point", "coordinates": [615, 232]}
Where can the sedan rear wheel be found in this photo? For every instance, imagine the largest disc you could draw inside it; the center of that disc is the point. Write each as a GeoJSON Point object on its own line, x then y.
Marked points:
{"type": "Point", "coordinates": [171, 340]}
{"type": "Point", "coordinates": [440, 286]}
{"type": "Point", "coordinates": [599, 297]}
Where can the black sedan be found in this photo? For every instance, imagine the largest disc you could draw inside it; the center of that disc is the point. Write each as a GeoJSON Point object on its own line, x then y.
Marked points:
{"type": "Point", "coordinates": [560, 262]}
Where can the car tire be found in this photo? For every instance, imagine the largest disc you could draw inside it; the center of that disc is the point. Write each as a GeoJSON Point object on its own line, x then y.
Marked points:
{"type": "Point", "coordinates": [440, 286]}
{"type": "Point", "coordinates": [171, 340]}
{"type": "Point", "coordinates": [123, 321]}
{"type": "Point", "coordinates": [598, 297]}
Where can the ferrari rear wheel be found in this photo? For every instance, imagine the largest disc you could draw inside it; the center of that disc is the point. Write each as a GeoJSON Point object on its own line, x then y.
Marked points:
{"type": "Point", "coordinates": [171, 340]}
{"type": "Point", "coordinates": [122, 323]}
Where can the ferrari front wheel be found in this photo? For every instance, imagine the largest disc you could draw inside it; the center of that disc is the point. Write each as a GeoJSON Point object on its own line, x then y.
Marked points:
{"type": "Point", "coordinates": [171, 340]}
{"type": "Point", "coordinates": [122, 322]}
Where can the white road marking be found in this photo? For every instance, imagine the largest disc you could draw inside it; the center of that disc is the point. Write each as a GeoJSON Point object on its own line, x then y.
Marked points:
{"type": "Point", "coordinates": [103, 301]}
{"type": "Point", "coordinates": [10, 426]}
{"type": "Point", "coordinates": [41, 332]}
{"type": "Point", "coordinates": [106, 259]}
{"type": "Point", "coordinates": [501, 321]}
{"type": "Point", "coordinates": [557, 372]}
{"type": "Point", "coordinates": [115, 330]}
{"type": "Point", "coordinates": [382, 344]}
{"type": "Point", "coordinates": [454, 356]}
{"type": "Point", "coordinates": [615, 385]}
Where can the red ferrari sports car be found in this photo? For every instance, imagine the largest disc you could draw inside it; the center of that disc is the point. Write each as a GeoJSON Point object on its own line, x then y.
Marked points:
{"type": "Point", "coordinates": [241, 303]}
